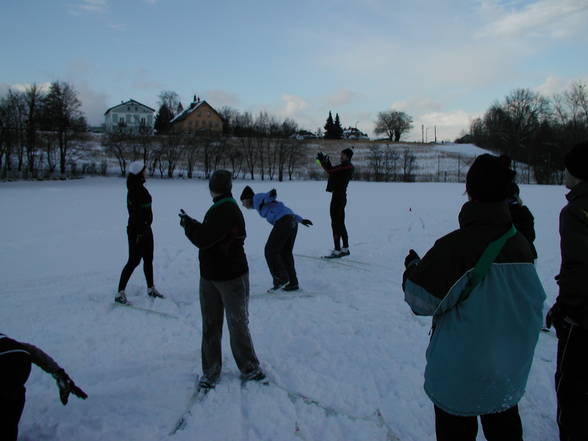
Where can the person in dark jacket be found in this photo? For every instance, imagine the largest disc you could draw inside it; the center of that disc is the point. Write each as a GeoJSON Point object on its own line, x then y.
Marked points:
{"type": "Point", "coordinates": [224, 282]}
{"type": "Point", "coordinates": [480, 285]}
{"type": "Point", "coordinates": [15, 366]}
{"type": "Point", "coordinates": [339, 177]}
{"type": "Point", "coordinates": [280, 243]}
{"type": "Point", "coordinates": [522, 218]}
{"type": "Point", "coordinates": [139, 234]}
{"type": "Point", "coordinates": [569, 314]}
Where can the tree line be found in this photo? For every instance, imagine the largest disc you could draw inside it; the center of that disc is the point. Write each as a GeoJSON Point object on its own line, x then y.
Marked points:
{"type": "Point", "coordinates": [37, 129]}
{"type": "Point", "coordinates": [534, 129]}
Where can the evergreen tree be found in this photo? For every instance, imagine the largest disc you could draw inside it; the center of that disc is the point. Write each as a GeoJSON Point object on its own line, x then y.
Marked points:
{"type": "Point", "coordinates": [329, 127]}
{"type": "Point", "coordinates": [163, 119]}
{"type": "Point", "coordinates": [337, 129]}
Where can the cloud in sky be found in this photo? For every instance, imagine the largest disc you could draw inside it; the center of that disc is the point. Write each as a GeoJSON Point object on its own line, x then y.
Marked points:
{"type": "Point", "coordinates": [341, 98]}
{"type": "Point", "coordinates": [91, 6]}
{"type": "Point", "coordinates": [560, 18]}
{"type": "Point", "coordinates": [555, 85]}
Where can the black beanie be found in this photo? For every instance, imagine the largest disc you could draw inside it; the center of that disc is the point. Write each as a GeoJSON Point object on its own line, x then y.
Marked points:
{"type": "Point", "coordinates": [489, 178]}
{"type": "Point", "coordinates": [220, 182]}
{"type": "Point", "coordinates": [348, 152]}
{"type": "Point", "coordinates": [576, 161]}
{"type": "Point", "coordinates": [247, 193]}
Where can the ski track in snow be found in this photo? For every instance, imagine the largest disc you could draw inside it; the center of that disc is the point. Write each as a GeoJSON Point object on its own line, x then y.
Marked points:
{"type": "Point", "coordinates": [345, 355]}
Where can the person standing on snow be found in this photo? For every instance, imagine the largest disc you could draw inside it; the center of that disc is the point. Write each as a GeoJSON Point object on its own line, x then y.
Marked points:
{"type": "Point", "coordinates": [139, 234]}
{"type": "Point", "coordinates": [569, 314]}
{"type": "Point", "coordinates": [15, 365]}
{"type": "Point", "coordinates": [280, 243]}
{"type": "Point", "coordinates": [482, 289]}
{"type": "Point", "coordinates": [522, 218]}
{"type": "Point", "coordinates": [224, 282]}
{"type": "Point", "coordinates": [339, 177]}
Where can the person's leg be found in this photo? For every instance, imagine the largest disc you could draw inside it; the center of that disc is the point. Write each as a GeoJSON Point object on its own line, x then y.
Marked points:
{"type": "Point", "coordinates": [571, 382]}
{"type": "Point", "coordinates": [235, 295]}
{"type": "Point", "coordinates": [342, 228]}
{"type": "Point", "coordinates": [135, 253]}
{"type": "Point", "coordinates": [147, 251]}
{"type": "Point", "coordinates": [16, 371]}
{"type": "Point", "coordinates": [455, 428]}
{"type": "Point", "coordinates": [273, 252]}
{"type": "Point", "coordinates": [211, 307]}
{"type": "Point", "coordinates": [287, 251]}
{"type": "Point", "coordinates": [333, 210]}
{"type": "Point", "coordinates": [503, 426]}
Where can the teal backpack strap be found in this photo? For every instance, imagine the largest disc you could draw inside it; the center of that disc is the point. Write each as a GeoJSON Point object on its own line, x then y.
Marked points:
{"type": "Point", "coordinates": [489, 255]}
{"type": "Point", "coordinates": [222, 201]}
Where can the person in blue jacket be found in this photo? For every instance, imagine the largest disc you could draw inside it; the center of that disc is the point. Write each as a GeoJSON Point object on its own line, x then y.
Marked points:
{"type": "Point", "coordinates": [481, 287]}
{"type": "Point", "coordinates": [280, 243]}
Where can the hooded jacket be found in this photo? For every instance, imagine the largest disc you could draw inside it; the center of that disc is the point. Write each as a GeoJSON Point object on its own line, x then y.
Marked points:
{"type": "Point", "coordinates": [482, 346]}
{"type": "Point", "coordinates": [138, 204]}
{"type": "Point", "coordinates": [339, 175]}
{"type": "Point", "coordinates": [220, 238]}
{"type": "Point", "coordinates": [271, 209]}
{"type": "Point", "coordinates": [573, 274]}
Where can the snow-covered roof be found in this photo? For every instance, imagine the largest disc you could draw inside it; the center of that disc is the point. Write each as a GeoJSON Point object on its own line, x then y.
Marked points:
{"type": "Point", "coordinates": [193, 106]}
{"type": "Point", "coordinates": [130, 101]}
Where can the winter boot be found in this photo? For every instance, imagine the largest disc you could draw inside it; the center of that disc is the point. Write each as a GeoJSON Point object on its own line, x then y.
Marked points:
{"type": "Point", "coordinates": [344, 252]}
{"type": "Point", "coordinates": [206, 383]}
{"type": "Point", "coordinates": [335, 254]}
{"type": "Point", "coordinates": [291, 287]}
{"type": "Point", "coordinates": [277, 286]}
{"type": "Point", "coordinates": [254, 375]}
{"type": "Point", "coordinates": [152, 292]}
{"type": "Point", "coordinates": [121, 298]}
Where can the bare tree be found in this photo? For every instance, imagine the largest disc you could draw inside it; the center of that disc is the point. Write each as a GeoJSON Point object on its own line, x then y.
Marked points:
{"type": "Point", "coordinates": [117, 146]}
{"type": "Point", "coordinates": [408, 165]}
{"type": "Point", "coordinates": [170, 99]}
{"type": "Point", "coordinates": [62, 114]}
{"type": "Point", "coordinates": [393, 123]}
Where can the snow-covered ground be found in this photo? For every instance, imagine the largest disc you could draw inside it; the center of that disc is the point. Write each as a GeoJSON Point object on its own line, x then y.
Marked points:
{"type": "Point", "coordinates": [347, 342]}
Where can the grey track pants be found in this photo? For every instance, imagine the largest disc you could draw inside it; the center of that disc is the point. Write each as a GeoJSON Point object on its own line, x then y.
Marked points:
{"type": "Point", "coordinates": [231, 296]}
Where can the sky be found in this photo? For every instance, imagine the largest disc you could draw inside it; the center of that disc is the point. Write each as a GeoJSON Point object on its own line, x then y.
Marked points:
{"type": "Point", "coordinates": [444, 62]}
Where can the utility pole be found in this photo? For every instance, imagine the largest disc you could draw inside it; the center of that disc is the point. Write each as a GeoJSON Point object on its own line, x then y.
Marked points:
{"type": "Point", "coordinates": [422, 133]}
{"type": "Point", "coordinates": [435, 134]}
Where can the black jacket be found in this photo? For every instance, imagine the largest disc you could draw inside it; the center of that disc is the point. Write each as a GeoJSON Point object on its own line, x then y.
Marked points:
{"type": "Point", "coordinates": [138, 204]}
{"type": "Point", "coordinates": [220, 238]}
{"type": "Point", "coordinates": [457, 252]}
{"type": "Point", "coordinates": [523, 220]}
{"type": "Point", "coordinates": [339, 175]}
{"type": "Point", "coordinates": [573, 275]}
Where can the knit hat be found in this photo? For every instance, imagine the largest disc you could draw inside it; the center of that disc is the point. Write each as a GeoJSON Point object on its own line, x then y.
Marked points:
{"type": "Point", "coordinates": [136, 167]}
{"type": "Point", "coordinates": [247, 193]}
{"type": "Point", "coordinates": [576, 161]}
{"type": "Point", "coordinates": [221, 182]}
{"type": "Point", "coordinates": [348, 153]}
{"type": "Point", "coordinates": [489, 178]}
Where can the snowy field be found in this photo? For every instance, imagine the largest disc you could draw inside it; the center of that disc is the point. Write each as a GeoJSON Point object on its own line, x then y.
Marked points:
{"type": "Point", "coordinates": [345, 356]}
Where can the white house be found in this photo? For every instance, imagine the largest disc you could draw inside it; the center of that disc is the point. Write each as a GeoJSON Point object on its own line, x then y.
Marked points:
{"type": "Point", "coordinates": [130, 117]}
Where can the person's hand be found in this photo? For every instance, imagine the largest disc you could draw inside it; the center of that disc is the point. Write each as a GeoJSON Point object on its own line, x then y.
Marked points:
{"type": "Point", "coordinates": [411, 258]}
{"type": "Point", "coordinates": [138, 239]}
{"type": "Point", "coordinates": [184, 218]}
{"type": "Point", "coordinates": [554, 316]}
{"type": "Point", "coordinates": [306, 222]}
{"type": "Point", "coordinates": [67, 386]}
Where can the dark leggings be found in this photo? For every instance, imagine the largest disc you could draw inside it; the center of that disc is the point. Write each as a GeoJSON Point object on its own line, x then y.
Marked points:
{"type": "Point", "coordinates": [503, 426]}
{"type": "Point", "coordinates": [337, 209]}
{"type": "Point", "coordinates": [278, 250]}
{"type": "Point", "coordinates": [140, 247]}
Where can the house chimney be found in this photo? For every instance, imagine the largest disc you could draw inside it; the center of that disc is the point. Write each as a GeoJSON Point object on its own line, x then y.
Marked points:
{"type": "Point", "coordinates": [194, 98]}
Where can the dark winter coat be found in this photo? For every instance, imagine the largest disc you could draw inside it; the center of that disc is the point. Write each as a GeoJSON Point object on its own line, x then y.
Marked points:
{"type": "Point", "coordinates": [480, 353]}
{"type": "Point", "coordinates": [138, 205]}
{"type": "Point", "coordinates": [339, 175]}
{"type": "Point", "coordinates": [524, 222]}
{"type": "Point", "coordinates": [220, 238]}
{"type": "Point", "coordinates": [15, 363]}
{"type": "Point", "coordinates": [573, 274]}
